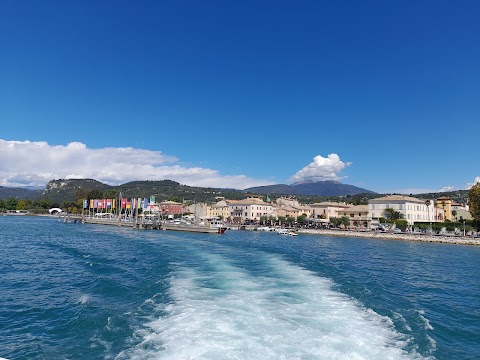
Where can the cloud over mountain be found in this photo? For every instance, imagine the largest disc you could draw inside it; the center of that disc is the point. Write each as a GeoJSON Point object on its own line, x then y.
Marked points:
{"type": "Point", "coordinates": [28, 163]}
{"type": "Point", "coordinates": [321, 169]}
{"type": "Point", "coordinates": [476, 180]}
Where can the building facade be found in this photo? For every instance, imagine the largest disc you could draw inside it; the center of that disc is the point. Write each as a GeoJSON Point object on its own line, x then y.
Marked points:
{"type": "Point", "coordinates": [326, 209]}
{"type": "Point", "coordinates": [359, 216]}
{"type": "Point", "coordinates": [250, 209]}
{"type": "Point", "coordinates": [412, 209]}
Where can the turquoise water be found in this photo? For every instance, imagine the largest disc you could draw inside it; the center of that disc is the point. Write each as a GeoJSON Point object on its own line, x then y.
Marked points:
{"type": "Point", "coordinates": [71, 291]}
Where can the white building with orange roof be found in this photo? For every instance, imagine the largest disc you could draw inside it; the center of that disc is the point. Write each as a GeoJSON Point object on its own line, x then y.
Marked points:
{"type": "Point", "coordinates": [412, 209]}
{"type": "Point", "coordinates": [250, 209]}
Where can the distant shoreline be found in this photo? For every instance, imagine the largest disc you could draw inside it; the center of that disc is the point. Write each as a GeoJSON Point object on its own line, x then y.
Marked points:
{"type": "Point", "coordinates": [454, 240]}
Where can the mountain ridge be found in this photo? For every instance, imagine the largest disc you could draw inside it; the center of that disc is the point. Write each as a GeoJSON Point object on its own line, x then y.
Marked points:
{"type": "Point", "coordinates": [313, 188]}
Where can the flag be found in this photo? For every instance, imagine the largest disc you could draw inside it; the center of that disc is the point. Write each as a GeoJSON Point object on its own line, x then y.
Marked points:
{"type": "Point", "coordinates": [91, 203]}
{"type": "Point", "coordinates": [139, 203]}
{"type": "Point", "coordinates": [145, 203]}
{"type": "Point", "coordinates": [124, 203]}
{"type": "Point", "coordinates": [85, 204]}
{"type": "Point", "coordinates": [109, 203]}
{"type": "Point", "coordinates": [114, 203]}
{"type": "Point", "coordinates": [95, 204]}
{"type": "Point", "coordinates": [128, 204]}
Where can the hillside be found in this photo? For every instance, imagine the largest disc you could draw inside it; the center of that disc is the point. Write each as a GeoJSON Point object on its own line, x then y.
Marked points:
{"type": "Point", "coordinates": [19, 193]}
{"type": "Point", "coordinates": [318, 188]}
{"type": "Point", "coordinates": [61, 191]}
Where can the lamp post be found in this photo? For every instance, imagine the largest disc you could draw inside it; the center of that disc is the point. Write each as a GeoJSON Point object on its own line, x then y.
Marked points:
{"type": "Point", "coordinates": [428, 202]}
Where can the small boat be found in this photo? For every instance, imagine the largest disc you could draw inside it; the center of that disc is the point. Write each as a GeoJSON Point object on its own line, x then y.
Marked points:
{"type": "Point", "coordinates": [265, 228]}
{"type": "Point", "coordinates": [194, 228]}
{"type": "Point", "coordinates": [286, 232]}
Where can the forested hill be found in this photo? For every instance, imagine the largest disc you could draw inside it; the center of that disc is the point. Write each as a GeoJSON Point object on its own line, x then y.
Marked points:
{"type": "Point", "coordinates": [20, 193]}
{"type": "Point", "coordinates": [66, 191]}
{"type": "Point", "coordinates": [61, 191]}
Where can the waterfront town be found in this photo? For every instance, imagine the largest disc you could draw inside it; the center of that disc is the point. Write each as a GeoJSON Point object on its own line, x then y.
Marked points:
{"type": "Point", "coordinates": [394, 213]}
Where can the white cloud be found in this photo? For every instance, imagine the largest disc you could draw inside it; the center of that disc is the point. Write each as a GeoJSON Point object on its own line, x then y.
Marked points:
{"type": "Point", "coordinates": [321, 169]}
{"type": "Point", "coordinates": [469, 185]}
{"type": "Point", "coordinates": [447, 188]}
{"type": "Point", "coordinates": [25, 163]}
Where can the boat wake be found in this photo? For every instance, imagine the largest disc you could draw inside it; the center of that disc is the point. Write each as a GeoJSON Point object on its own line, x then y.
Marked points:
{"type": "Point", "coordinates": [221, 310]}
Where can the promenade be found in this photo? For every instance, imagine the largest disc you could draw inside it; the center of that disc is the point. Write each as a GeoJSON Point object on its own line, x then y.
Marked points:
{"type": "Point", "coordinates": [460, 240]}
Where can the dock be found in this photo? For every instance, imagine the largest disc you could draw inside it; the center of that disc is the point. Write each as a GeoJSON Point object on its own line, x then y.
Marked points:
{"type": "Point", "coordinates": [141, 224]}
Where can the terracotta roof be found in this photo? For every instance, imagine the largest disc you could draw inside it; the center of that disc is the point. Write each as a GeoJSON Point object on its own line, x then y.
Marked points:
{"type": "Point", "coordinates": [398, 198]}
{"type": "Point", "coordinates": [443, 198]}
{"type": "Point", "coordinates": [329, 203]}
{"type": "Point", "coordinates": [249, 201]}
{"type": "Point", "coordinates": [357, 208]}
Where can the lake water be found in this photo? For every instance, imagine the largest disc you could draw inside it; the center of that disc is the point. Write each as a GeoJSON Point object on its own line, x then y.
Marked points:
{"type": "Point", "coordinates": [72, 291]}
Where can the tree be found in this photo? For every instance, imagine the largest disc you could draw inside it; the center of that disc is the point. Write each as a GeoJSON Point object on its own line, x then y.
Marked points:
{"type": "Point", "coordinates": [11, 203]}
{"type": "Point", "coordinates": [22, 205]}
{"type": "Point", "coordinates": [290, 220]}
{"type": "Point", "coordinates": [335, 222]}
{"type": "Point", "coordinates": [392, 214]}
{"type": "Point", "coordinates": [338, 222]}
{"type": "Point", "coordinates": [474, 201]}
{"type": "Point", "coordinates": [345, 221]}
{"type": "Point", "coordinates": [454, 214]}
{"type": "Point", "coordinates": [302, 218]}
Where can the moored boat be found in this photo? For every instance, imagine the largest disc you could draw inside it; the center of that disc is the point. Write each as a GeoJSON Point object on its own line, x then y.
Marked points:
{"type": "Point", "coordinates": [194, 228]}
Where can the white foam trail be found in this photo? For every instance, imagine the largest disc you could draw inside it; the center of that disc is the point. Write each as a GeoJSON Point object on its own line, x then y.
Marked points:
{"type": "Point", "coordinates": [290, 314]}
{"type": "Point", "coordinates": [83, 299]}
{"type": "Point", "coordinates": [425, 321]}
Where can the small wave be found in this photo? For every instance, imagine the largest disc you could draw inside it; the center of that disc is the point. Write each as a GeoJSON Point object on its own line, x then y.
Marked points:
{"type": "Point", "coordinates": [402, 320]}
{"type": "Point", "coordinates": [433, 344]}
{"type": "Point", "coordinates": [425, 321]}
{"type": "Point", "coordinates": [83, 299]}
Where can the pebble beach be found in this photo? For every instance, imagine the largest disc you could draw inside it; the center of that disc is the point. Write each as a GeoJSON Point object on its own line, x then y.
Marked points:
{"type": "Point", "coordinates": [460, 240]}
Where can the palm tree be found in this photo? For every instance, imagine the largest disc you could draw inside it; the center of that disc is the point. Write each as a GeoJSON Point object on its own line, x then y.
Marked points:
{"type": "Point", "coordinates": [454, 214]}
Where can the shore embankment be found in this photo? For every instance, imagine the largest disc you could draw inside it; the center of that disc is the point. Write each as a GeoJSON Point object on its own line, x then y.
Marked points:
{"type": "Point", "coordinates": [459, 240]}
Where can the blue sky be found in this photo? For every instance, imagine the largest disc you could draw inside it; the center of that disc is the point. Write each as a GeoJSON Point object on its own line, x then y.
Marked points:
{"type": "Point", "coordinates": [237, 94]}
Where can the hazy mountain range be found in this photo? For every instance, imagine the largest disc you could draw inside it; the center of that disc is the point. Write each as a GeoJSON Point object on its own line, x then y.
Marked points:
{"type": "Point", "coordinates": [314, 188]}
{"type": "Point", "coordinates": [61, 191]}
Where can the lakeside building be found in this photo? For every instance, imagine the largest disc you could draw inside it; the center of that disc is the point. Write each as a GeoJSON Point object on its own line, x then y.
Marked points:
{"type": "Point", "coordinates": [359, 216]}
{"type": "Point", "coordinates": [461, 212]}
{"type": "Point", "coordinates": [171, 208]}
{"type": "Point", "coordinates": [250, 209]}
{"type": "Point", "coordinates": [198, 210]}
{"type": "Point", "coordinates": [290, 207]}
{"type": "Point", "coordinates": [413, 209]}
{"type": "Point", "coordinates": [220, 210]}
{"type": "Point", "coordinates": [327, 209]}
{"type": "Point", "coordinates": [445, 204]}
